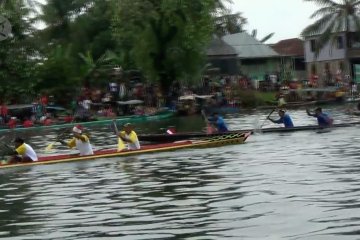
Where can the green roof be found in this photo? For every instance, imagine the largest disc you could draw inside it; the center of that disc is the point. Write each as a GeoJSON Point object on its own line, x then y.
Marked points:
{"type": "Point", "coordinates": [247, 46]}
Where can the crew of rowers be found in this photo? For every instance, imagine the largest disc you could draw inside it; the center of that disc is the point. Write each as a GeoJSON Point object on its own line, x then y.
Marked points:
{"type": "Point", "coordinates": [323, 119]}
{"type": "Point", "coordinates": [127, 139]}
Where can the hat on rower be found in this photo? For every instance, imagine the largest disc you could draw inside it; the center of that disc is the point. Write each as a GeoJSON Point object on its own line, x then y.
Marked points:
{"type": "Point", "coordinates": [77, 129]}
{"type": "Point", "coordinates": [19, 140]}
{"type": "Point", "coordinates": [127, 125]}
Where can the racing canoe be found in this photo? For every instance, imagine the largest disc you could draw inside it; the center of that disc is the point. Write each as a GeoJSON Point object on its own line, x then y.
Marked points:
{"type": "Point", "coordinates": [161, 138]}
{"type": "Point", "coordinates": [203, 143]}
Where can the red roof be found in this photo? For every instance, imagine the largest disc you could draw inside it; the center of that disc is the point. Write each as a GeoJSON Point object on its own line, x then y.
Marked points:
{"type": "Point", "coordinates": [290, 47]}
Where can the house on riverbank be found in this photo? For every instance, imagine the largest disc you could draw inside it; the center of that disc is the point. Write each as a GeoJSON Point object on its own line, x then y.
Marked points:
{"type": "Point", "coordinates": [292, 59]}
{"type": "Point", "coordinates": [255, 59]}
{"type": "Point", "coordinates": [222, 57]}
{"type": "Point", "coordinates": [338, 60]}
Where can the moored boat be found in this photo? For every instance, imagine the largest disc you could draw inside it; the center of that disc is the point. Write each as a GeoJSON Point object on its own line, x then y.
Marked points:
{"type": "Point", "coordinates": [119, 120]}
{"type": "Point", "coordinates": [195, 135]}
{"type": "Point", "coordinates": [202, 143]}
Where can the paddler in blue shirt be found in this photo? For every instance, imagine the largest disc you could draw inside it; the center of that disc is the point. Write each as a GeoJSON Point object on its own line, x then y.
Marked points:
{"type": "Point", "coordinates": [218, 122]}
{"type": "Point", "coordinates": [284, 118]}
{"type": "Point", "coordinates": [323, 119]}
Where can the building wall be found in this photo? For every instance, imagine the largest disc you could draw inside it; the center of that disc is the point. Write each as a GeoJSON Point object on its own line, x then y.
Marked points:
{"type": "Point", "coordinates": [329, 52]}
{"type": "Point", "coordinates": [328, 71]}
{"type": "Point", "coordinates": [258, 68]}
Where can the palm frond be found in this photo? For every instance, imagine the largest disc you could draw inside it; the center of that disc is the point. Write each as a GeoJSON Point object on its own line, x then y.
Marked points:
{"type": "Point", "coordinates": [267, 37]}
{"type": "Point", "coordinates": [323, 11]}
{"type": "Point", "coordinates": [326, 3]}
{"type": "Point", "coordinates": [318, 26]}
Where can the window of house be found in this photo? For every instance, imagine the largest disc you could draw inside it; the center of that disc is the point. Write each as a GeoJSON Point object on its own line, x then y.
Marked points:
{"type": "Point", "coordinates": [313, 45]}
{"type": "Point", "coordinates": [354, 40]}
{"type": "Point", "coordinates": [340, 42]}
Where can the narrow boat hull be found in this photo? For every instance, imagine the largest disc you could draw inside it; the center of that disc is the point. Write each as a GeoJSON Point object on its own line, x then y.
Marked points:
{"type": "Point", "coordinates": [204, 143]}
{"type": "Point", "coordinates": [194, 135]}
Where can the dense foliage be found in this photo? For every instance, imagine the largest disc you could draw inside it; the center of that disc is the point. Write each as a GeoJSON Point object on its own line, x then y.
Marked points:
{"type": "Point", "coordinates": [57, 46]}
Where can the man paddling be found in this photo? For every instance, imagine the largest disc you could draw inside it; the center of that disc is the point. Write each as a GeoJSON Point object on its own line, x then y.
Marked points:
{"type": "Point", "coordinates": [80, 141]}
{"type": "Point", "coordinates": [284, 118]}
{"type": "Point", "coordinates": [323, 119]}
{"type": "Point", "coordinates": [23, 152]}
{"type": "Point", "coordinates": [218, 122]}
{"type": "Point", "coordinates": [128, 136]}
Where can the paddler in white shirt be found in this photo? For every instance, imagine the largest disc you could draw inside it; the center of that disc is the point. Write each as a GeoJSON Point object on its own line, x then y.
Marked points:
{"type": "Point", "coordinates": [23, 153]}
{"type": "Point", "coordinates": [128, 136]}
{"type": "Point", "coordinates": [80, 141]}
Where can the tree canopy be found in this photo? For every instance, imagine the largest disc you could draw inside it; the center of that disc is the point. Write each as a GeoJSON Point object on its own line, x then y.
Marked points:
{"type": "Point", "coordinates": [82, 39]}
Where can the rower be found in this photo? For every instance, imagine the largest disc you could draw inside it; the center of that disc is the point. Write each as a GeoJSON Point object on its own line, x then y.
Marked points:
{"type": "Point", "coordinates": [80, 141]}
{"type": "Point", "coordinates": [128, 136]}
{"type": "Point", "coordinates": [23, 152]}
{"type": "Point", "coordinates": [323, 119]}
{"type": "Point", "coordinates": [284, 118]}
{"type": "Point", "coordinates": [219, 122]}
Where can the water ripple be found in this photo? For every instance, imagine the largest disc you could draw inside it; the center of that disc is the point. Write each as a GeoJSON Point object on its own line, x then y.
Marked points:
{"type": "Point", "coordinates": [277, 186]}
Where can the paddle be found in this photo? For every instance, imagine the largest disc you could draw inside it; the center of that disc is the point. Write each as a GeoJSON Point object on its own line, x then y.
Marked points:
{"type": "Point", "coordinates": [209, 127]}
{"type": "Point", "coordinates": [121, 144]}
{"type": "Point", "coordinates": [50, 146]}
{"type": "Point", "coordinates": [267, 118]}
{"type": "Point", "coordinates": [57, 139]}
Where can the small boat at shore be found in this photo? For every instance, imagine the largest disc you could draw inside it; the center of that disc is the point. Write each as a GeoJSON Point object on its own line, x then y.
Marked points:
{"type": "Point", "coordinates": [195, 135]}
{"type": "Point", "coordinates": [217, 141]}
{"type": "Point", "coordinates": [119, 120]}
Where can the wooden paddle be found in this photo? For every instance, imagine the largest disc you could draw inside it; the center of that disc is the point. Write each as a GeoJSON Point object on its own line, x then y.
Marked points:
{"type": "Point", "coordinates": [50, 146]}
{"type": "Point", "coordinates": [209, 127]}
{"type": "Point", "coordinates": [267, 118]}
{"type": "Point", "coordinates": [57, 139]}
{"type": "Point", "coordinates": [121, 144]}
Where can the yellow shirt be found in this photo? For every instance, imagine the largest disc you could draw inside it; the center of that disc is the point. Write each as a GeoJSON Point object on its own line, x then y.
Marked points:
{"type": "Point", "coordinates": [26, 150]}
{"type": "Point", "coordinates": [132, 141]}
{"type": "Point", "coordinates": [84, 147]}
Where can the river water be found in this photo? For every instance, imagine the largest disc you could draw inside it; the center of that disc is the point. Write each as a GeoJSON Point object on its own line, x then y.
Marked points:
{"type": "Point", "coordinates": [301, 185]}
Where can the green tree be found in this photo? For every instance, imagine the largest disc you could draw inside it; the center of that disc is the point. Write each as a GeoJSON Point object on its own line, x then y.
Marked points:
{"type": "Point", "coordinates": [18, 53]}
{"type": "Point", "coordinates": [82, 30]}
{"type": "Point", "coordinates": [331, 19]}
{"type": "Point", "coordinates": [166, 38]}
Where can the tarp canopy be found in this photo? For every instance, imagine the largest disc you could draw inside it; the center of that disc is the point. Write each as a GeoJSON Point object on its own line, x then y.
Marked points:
{"type": "Point", "coordinates": [193, 96]}
{"type": "Point", "coordinates": [130, 102]}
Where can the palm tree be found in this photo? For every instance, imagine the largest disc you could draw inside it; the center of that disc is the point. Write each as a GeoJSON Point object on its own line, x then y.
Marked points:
{"type": "Point", "coordinates": [229, 23]}
{"type": "Point", "coordinates": [333, 18]}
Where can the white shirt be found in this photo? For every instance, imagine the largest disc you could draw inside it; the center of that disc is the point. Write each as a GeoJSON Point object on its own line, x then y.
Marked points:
{"type": "Point", "coordinates": [26, 150]}
{"type": "Point", "coordinates": [84, 148]}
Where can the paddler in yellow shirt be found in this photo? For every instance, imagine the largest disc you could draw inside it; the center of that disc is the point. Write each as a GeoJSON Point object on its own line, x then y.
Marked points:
{"type": "Point", "coordinates": [23, 153]}
{"type": "Point", "coordinates": [80, 141]}
{"type": "Point", "coordinates": [128, 136]}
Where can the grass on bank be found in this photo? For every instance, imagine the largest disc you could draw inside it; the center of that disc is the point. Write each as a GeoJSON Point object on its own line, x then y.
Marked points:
{"type": "Point", "coordinates": [251, 98]}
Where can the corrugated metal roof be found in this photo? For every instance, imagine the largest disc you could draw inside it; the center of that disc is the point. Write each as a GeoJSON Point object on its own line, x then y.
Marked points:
{"type": "Point", "coordinates": [290, 47]}
{"type": "Point", "coordinates": [220, 48]}
{"type": "Point", "coordinates": [247, 46]}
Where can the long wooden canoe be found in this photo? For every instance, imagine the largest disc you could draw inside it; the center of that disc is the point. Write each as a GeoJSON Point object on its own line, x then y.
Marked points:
{"type": "Point", "coordinates": [203, 143]}
{"type": "Point", "coordinates": [195, 135]}
{"type": "Point", "coordinates": [119, 120]}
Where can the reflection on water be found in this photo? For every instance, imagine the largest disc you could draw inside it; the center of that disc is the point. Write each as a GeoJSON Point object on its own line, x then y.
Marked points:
{"type": "Point", "coordinates": [277, 186]}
